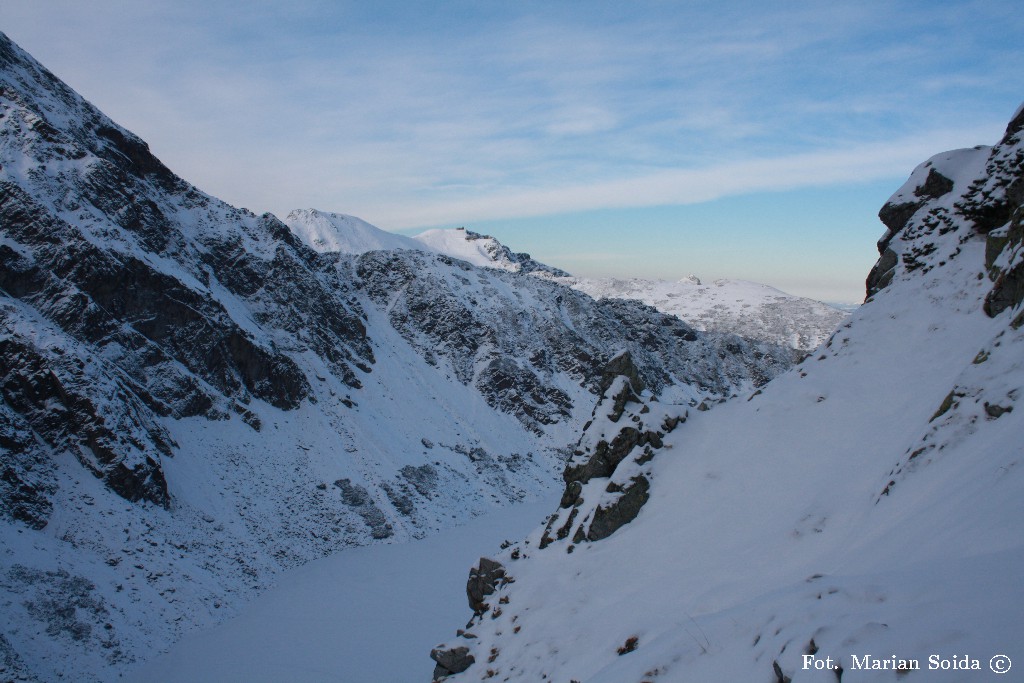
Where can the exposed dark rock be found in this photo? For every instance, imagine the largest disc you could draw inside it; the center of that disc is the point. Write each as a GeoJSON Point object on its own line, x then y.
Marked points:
{"type": "Point", "coordinates": [994, 410]}
{"type": "Point", "coordinates": [1007, 292]}
{"type": "Point", "coordinates": [571, 496]}
{"type": "Point", "coordinates": [935, 186]}
{"type": "Point", "coordinates": [400, 499]}
{"type": "Point", "coordinates": [993, 199]}
{"type": "Point", "coordinates": [1008, 286]}
{"type": "Point", "coordinates": [609, 518]}
{"type": "Point", "coordinates": [947, 403]}
{"type": "Point", "coordinates": [361, 502]}
{"type": "Point", "coordinates": [622, 364]}
{"type": "Point", "coordinates": [606, 456]}
{"type": "Point", "coordinates": [451, 661]}
{"type": "Point", "coordinates": [515, 389]}
{"type": "Point", "coordinates": [779, 676]}
{"type": "Point", "coordinates": [629, 646]}
{"type": "Point", "coordinates": [895, 217]}
{"type": "Point", "coordinates": [483, 580]}
{"type": "Point", "coordinates": [352, 495]}
{"type": "Point", "coordinates": [143, 275]}
{"type": "Point", "coordinates": [27, 479]}
{"type": "Point", "coordinates": [458, 318]}
{"type": "Point", "coordinates": [563, 531]}
{"type": "Point", "coordinates": [158, 302]}
{"type": "Point", "coordinates": [66, 606]}
{"type": "Point", "coordinates": [422, 478]}
{"type": "Point", "coordinates": [12, 666]}
{"type": "Point", "coordinates": [499, 253]}
{"type": "Point", "coordinates": [882, 272]}
{"type": "Point", "coordinates": [995, 242]}
{"type": "Point", "coordinates": [79, 407]}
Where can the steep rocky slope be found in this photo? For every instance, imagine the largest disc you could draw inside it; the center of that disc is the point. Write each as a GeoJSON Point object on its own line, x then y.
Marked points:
{"type": "Point", "coordinates": [860, 513]}
{"type": "Point", "coordinates": [193, 399]}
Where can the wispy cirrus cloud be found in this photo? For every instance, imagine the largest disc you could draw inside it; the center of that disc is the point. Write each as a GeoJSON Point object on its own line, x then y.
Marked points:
{"type": "Point", "coordinates": [417, 114]}
{"type": "Point", "coordinates": [694, 185]}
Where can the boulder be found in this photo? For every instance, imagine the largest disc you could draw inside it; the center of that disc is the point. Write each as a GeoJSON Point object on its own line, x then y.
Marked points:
{"type": "Point", "coordinates": [483, 579]}
{"type": "Point", "coordinates": [450, 660]}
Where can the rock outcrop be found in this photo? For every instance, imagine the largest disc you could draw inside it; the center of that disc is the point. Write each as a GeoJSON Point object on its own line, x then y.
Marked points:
{"type": "Point", "coordinates": [606, 479]}
{"type": "Point", "coordinates": [450, 661]}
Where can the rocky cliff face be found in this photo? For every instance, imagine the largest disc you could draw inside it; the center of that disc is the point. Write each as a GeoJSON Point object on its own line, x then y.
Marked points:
{"type": "Point", "coordinates": [859, 504]}
{"type": "Point", "coordinates": [193, 399]}
{"type": "Point", "coordinates": [507, 335]}
{"type": "Point", "coordinates": [980, 187]}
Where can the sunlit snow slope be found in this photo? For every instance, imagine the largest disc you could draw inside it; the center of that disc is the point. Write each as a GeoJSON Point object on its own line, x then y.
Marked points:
{"type": "Point", "coordinates": [338, 232]}
{"type": "Point", "coordinates": [868, 503]}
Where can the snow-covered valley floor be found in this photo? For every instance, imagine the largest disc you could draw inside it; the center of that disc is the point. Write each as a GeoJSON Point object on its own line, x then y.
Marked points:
{"type": "Point", "coordinates": [365, 614]}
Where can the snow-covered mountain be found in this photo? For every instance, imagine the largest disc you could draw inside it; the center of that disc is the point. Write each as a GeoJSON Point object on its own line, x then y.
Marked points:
{"type": "Point", "coordinates": [337, 232]}
{"type": "Point", "coordinates": [334, 232]}
{"type": "Point", "coordinates": [194, 399]}
{"type": "Point", "coordinates": [748, 309]}
{"type": "Point", "coordinates": [483, 251]}
{"type": "Point", "coordinates": [862, 512]}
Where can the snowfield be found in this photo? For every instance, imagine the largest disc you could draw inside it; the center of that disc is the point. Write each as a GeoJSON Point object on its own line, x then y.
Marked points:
{"type": "Point", "coordinates": [366, 614]}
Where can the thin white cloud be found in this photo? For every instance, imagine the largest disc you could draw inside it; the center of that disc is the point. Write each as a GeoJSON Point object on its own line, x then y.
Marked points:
{"type": "Point", "coordinates": [689, 186]}
{"type": "Point", "coordinates": [522, 110]}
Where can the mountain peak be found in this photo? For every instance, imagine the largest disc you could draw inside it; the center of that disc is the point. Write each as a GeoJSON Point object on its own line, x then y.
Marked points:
{"type": "Point", "coordinates": [482, 250]}
{"type": "Point", "coordinates": [324, 231]}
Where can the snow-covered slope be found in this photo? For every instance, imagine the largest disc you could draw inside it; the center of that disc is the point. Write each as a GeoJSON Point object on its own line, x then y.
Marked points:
{"type": "Point", "coordinates": [482, 250]}
{"type": "Point", "coordinates": [337, 232]}
{"type": "Point", "coordinates": [745, 308]}
{"type": "Point", "coordinates": [865, 508]}
{"type": "Point", "coordinates": [194, 400]}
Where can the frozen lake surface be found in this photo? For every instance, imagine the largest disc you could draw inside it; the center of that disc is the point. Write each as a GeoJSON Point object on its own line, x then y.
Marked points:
{"type": "Point", "coordinates": [365, 614]}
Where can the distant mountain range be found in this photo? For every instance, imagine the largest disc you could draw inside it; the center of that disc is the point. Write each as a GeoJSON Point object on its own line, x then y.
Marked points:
{"type": "Point", "coordinates": [747, 309]}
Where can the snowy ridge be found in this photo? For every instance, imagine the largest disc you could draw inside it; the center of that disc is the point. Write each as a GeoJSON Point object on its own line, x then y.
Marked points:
{"type": "Point", "coordinates": [482, 250]}
{"type": "Point", "coordinates": [739, 307]}
{"type": "Point", "coordinates": [337, 232]}
{"type": "Point", "coordinates": [860, 512]}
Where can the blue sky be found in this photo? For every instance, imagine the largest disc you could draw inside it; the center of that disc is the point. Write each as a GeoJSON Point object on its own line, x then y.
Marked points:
{"type": "Point", "coordinates": [654, 139]}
